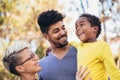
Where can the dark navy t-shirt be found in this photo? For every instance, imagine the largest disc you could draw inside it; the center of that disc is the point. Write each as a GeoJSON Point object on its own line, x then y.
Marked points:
{"type": "Point", "coordinates": [59, 69]}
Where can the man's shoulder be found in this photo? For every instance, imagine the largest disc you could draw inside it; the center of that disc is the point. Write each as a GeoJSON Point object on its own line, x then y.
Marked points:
{"type": "Point", "coordinates": [47, 58]}
{"type": "Point", "coordinates": [72, 47]}
{"type": "Point", "coordinates": [44, 59]}
{"type": "Point", "coordinates": [72, 50]}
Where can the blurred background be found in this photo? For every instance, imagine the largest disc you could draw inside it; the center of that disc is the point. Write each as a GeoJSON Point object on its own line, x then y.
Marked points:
{"type": "Point", "coordinates": [18, 20]}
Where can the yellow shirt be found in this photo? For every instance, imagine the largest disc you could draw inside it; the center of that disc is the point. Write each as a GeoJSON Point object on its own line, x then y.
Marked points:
{"type": "Point", "coordinates": [97, 56]}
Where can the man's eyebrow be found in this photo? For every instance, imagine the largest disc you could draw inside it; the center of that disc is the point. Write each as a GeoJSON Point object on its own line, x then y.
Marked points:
{"type": "Point", "coordinates": [61, 26]}
{"type": "Point", "coordinates": [55, 29]}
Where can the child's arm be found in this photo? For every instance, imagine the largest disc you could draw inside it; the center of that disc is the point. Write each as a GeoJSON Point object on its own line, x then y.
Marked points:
{"type": "Point", "coordinates": [109, 63]}
{"type": "Point", "coordinates": [74, 44]}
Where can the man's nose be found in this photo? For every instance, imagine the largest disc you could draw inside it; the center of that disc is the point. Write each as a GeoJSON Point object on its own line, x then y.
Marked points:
{"type": "Point", "coordinates": [63, 32]}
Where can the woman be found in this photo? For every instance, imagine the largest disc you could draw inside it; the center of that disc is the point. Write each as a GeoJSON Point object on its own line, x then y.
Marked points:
{"type": "Point", "coordinates": [21, 61]}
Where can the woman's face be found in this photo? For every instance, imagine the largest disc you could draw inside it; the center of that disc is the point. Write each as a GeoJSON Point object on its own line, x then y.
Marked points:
{"type": "Point", "coordinates": [29, 61]}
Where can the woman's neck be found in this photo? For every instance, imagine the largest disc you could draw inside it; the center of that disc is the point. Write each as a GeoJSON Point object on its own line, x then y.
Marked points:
{"type": "Point", "coordinates": [27, 77]}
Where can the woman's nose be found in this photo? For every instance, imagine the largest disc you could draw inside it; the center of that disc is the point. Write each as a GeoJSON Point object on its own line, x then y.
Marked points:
{"type": "Point", "coordinates": [36, 57]}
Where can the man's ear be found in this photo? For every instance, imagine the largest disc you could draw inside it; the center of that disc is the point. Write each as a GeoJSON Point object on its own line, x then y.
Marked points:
{"type": "Point", "coordinates": [20, 69]}
{"type": "Point", "coordinates": [45, 36]}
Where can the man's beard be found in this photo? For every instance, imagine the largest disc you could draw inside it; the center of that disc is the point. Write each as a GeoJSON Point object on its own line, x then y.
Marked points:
{"type": "Point", "coordinates": [58, 44]}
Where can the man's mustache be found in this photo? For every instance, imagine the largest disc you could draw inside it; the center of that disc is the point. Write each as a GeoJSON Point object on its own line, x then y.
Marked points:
{"type": "Point", "coordinates": [65, 35]}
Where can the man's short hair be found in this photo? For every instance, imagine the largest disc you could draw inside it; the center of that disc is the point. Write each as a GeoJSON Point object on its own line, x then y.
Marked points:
{"type": "Point", "coordinates": [48, 18]}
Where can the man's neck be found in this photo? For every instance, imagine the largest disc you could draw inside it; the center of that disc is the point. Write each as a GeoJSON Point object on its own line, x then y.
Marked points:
{"type": "Point", "coordinates": [60, 52]}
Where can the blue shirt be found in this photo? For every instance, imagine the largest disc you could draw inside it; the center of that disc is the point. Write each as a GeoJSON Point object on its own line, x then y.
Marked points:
{"type": "Point", "coordinates": [59, 69]}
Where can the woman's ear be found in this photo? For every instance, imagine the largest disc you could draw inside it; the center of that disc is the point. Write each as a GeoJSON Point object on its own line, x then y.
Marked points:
{"type": "Point", "coordinates": [20, 69]}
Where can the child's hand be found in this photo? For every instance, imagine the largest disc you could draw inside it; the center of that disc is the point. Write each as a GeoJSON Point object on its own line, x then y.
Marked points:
{"type": "Point", "coordinates": [49, 49]}
{"type": "Point", "coordinates": [82, 73]}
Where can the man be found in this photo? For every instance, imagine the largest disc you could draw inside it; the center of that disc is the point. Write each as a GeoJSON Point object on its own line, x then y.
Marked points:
{"type": "Point", "coordinates": [61, 62]}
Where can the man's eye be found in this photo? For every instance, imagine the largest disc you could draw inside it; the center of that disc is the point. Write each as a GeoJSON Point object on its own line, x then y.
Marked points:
{"type": "Point", "coordinates": [63, 28]}
{"type": "Point", "coordinates": [55, 31]}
